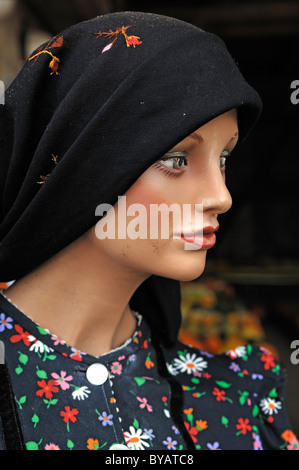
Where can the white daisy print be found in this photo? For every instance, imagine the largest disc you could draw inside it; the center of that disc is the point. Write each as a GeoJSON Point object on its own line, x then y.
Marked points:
{"type": "Point", "coordinates": [80, 393]}
{"type": "Point", "coordinates": [190, 363]}
{"type": "Point", "coordinates": [239, 351]}
{"type": "Point", "coordinates": [270, 406]}
{"type": "Point", "coordinates": [136, 439]}
{"type": "Point", "coordinates": [38, 347]}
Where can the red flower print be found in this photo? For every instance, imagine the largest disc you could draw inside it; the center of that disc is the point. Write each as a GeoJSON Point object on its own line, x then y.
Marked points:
{"type": "Point", "coordinates": [193, 431]}
{"type": "Point", "coordinates": [133, 41]}
{"type": "Point", "coordinates": [243, 425]}
{"type": "Point", "coordinates": [69, 415]}
{"type": "Point", "coordinates": [47, 388]}
{"type": "Point", "coordinates": [220, 394]}
{"type": "Point", "coordinates": [268, 360]}
{"type": "Point", "coordinates": [22, 336]}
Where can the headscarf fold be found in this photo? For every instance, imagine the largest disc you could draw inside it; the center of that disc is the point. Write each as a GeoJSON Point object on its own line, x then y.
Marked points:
{"type": "Point", "coordinates": [88, 113]}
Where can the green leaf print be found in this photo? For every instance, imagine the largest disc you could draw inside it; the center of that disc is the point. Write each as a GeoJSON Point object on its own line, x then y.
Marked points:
{"type": "Point", "coordinates": [273, 393]}
{"type": "Point", "coordinates": [31, 445]}
{"type": "Point", "coordinates": [70, 445]}
{"type": "Point", "coordinates": [255, 411]}
{"type": "Point", "coordinates": [21, 401]}
{"type": "Point", "coordinates": [23, 358]}
{"type": "Point", "coordinates": [41, 373]}
{"type": "Point", "coordinates": [243, 397]}
{"type": "Point", "coordinates": [224, 421]}
{"type": "Point", "coordinates": [136, 424]}
{"type": "Point", "coordinates": [223, 384]}
{"type": "Point", "coordinates": [42, 331]}
{"type": "Point", "coordinates": [18, 369]}
{"type": "Point", "coordinates": [35, 419]}
{"type": "Point", "coordinates": [139, 380]}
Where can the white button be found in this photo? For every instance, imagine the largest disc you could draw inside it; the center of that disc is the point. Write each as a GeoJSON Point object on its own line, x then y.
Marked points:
{"type": "Point", "coordinates": [97, 374]}
{"type": "Point", "coordinates": [118, 447]}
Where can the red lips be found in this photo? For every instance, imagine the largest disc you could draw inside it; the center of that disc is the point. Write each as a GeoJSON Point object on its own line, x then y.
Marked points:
{"type": "Point", "coordinates": [204, 231]}
{"type": "Point", "coordinates": [204, 238]}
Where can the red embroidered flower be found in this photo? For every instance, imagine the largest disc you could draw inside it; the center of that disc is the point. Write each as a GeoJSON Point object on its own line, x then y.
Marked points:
{"type": "Point", "coordinates": [47, 388]}
{"type": "Point", "coordinates": [69, 415]}
{"type": "Point", "coordinates": [268, 360]}
{"type": "Point", "coordinates": [133, 41]}
{"type": "Point", "coordinates": [193, 431]}
{"type": "Point", "coordinates": [54, 65]}
{"type": "Point", "coordinates": [220, 394]}
{"type": "Point", "coordinates": [22, 336]}
{"type": "Point", "coordinates": [243, 425]}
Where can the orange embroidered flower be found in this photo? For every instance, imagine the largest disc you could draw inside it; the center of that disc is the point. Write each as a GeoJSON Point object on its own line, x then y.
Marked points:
{"type": "Point", "coordinates": [53, 65]}
{"type": "Point", "coordinates": [92, 444]}
{"type": "Point", "coordinates": [130, 40]}
{"type": "Point", "coordinates": [288, 435]}
{"type": "Point", "coordinates": [201, 425]}
{"type": "Point", "coordinates": [149, 363]}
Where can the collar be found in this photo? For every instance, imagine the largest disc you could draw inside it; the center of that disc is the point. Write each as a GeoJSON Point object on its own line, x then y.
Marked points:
{"type": "Point", "coordinates": [42, 340]}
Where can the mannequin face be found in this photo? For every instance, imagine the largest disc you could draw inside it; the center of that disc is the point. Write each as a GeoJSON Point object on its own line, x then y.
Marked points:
{"type": "Point", "coordinates": [192, 173]}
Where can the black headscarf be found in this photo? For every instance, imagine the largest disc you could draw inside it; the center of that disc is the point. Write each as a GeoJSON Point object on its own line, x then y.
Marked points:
{"type": "Point", "coordinates": [88, 113]}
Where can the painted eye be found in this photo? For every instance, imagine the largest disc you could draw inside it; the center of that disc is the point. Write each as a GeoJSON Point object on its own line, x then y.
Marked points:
{"type": "Point", "coordinates": [223, 157]}
{"type": "Point", "coordinates": [174, 160]}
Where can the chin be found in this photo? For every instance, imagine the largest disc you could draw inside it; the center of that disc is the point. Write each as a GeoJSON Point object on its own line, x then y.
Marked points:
{"type": "Point", "coordinates": [186, 270]}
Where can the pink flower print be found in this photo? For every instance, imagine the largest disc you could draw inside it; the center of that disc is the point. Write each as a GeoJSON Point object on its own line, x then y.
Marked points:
{"type": "Point", "coordinates": [293, 444]}
{"type": "Point", "coordinates": [57, 341]}
{"type": "Point", "coordinates": [116, 368]}
{"type": "Point", "coordinates": [51, 447]}
{"type": "Point", "coordinates": [144, 404]}
{"type": "Point", "coordinates": [62, 380]}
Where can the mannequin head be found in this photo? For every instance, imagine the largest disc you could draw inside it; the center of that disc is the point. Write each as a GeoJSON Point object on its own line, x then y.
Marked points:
{"type": "Point", "coordinates": [191, 174]}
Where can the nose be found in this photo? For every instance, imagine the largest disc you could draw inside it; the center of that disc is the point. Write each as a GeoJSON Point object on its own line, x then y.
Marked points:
{"type": "Point", "coordinates": [216, 197]}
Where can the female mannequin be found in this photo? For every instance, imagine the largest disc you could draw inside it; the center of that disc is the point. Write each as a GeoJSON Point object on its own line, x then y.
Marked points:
{"type": "Point", "coordinates": [83, 291]}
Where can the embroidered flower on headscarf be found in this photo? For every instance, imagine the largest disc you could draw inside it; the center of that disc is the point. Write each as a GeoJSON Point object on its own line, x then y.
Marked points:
{"type": "Point", "coordinates": [130, 40]}
{"type": "Point", "coordinates": [54, 43]}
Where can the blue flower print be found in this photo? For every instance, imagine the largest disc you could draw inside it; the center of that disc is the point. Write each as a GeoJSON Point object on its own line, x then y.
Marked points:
{"type": "Point", "coordinates": [105, 418]}
{"type": "Point", "coordinates": [170, 443]}
{"type": "Point", "coordinates": [5, 322]}
{"type": "Point", "coordinates": [214, 446]}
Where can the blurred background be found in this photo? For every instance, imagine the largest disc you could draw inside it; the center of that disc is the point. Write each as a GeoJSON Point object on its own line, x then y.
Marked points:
{"type": "Point", "coordinates": [249, 292]}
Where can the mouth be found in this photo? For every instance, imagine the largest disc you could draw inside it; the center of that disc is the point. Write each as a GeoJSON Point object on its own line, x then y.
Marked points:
{"type": "Point", "coordinates": [204, 238]}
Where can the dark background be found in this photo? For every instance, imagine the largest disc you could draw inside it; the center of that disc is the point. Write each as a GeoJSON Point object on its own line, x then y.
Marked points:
{"type": "Point", "coordinates": [257, 247]}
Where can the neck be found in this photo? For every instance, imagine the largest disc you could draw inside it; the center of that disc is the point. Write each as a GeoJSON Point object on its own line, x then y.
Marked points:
{"type": "Point", "coordinates": [82, 296]}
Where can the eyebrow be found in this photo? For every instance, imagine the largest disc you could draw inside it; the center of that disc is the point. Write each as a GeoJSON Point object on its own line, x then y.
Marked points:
{"type": "Point", "coordinates": [199, 138]}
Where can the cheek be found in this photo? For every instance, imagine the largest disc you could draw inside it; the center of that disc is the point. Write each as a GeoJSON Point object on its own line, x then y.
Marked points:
{"type": "Point", "coordinates": [142, 192]}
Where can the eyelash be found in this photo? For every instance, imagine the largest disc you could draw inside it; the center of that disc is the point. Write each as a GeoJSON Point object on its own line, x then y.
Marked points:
{"type": "Point", "coordinates": [182, 155]}
{"type": "Point", "coordinates": [174, 156]}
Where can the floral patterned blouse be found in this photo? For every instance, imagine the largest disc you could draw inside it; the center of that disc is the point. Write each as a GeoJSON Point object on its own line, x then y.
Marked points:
{"type": "Point", "coordinates": [67, 399]}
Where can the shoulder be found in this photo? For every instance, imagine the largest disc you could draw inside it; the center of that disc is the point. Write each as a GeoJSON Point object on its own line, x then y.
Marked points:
{"type": "Point", "coordinates": [249, 365]}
